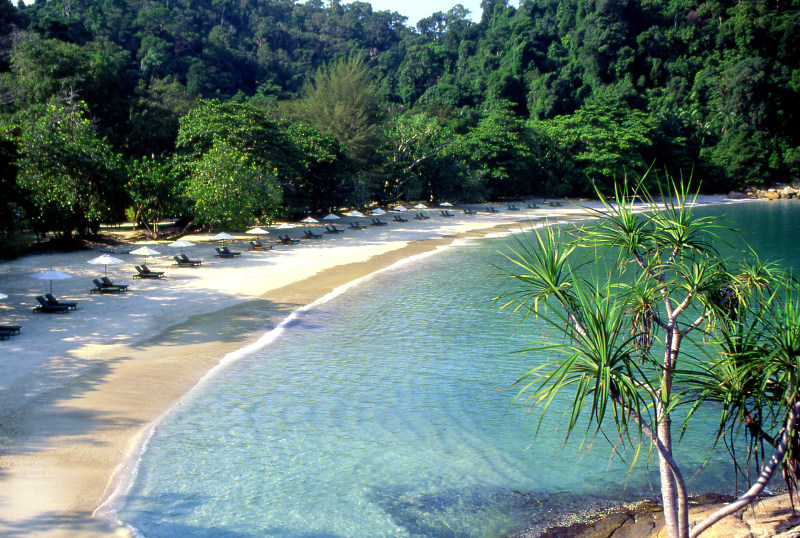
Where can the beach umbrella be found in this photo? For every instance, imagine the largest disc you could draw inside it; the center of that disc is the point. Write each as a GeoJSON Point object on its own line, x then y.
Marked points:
{"type": "Point", "coordinates": [354, 213]}
{"type": "Point", "coordinates": [145, 251]}
{"type": "Point", "coordinates": [222, 236]}
{"type": "Point", "coordinates": [51, 275]}
{"type": "Point", "coordinates": [257, 231]}
{"type": "Point", "coordinates": [310, 220]}
{"type": "Point", "coordinates": [105, 260]}
{"type": "Point", "coordinates": [181, 243]}
{"type": "Point", "coordinates": [286, 226]}
{"type": "Point", "coordinates": [3, 296]}
{"type": "Point", "coordinates": [379, 211]}
{"type": "Point", "coordinates": [420, 206]}
{"type": "Point", "coordinates": [446, 204]}
{"type": "Point", "coordinates": [399, 208]}
{"type": "Point", "coordinates": [331, 217]}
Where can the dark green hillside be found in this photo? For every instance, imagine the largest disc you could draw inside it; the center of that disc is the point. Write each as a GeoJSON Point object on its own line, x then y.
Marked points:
{"type": "Point", "coordinates": [542, 99]}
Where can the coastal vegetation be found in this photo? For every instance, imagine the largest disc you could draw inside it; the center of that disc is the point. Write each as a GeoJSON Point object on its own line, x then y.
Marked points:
{"type": "Point", "coordinates": [338, 104]}
{"type": "Point", "coordinates": [655, 322]}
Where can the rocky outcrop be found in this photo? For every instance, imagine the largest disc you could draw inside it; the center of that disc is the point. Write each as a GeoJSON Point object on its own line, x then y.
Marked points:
{"type": "Point", "coordinates": [778, 192]}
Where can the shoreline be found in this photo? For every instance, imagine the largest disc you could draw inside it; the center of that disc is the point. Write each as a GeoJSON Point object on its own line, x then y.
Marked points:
{"type": "Point", "coordinates": [65, 439]}
{"type": "Point", "coordinates": [65, 434]}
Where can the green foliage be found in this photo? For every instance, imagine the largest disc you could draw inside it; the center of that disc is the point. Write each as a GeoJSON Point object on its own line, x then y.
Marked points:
{"type": "Point", "coordinates": [73, 176]}
{"type": "Point", "coordinates": [341, 99]}
{"type": "Point", "coordinates": [606, 87]}
{"type": "Point", "coordinates": [326, 172]}
{"type": "Point", "coordinates": [230, 190]}
{"type": "Point", "coordinates": [240, 126]}
{"type": "Point", "coordinates": [505, 150]}
{"type": "Point", "coordinates": [155, 192]}
{"type": "Point", "coordinates": [604, 140]}
{"type": "Point", "coordinates": [11, 208]}
{"type": "Point", "coordinates": [423, 160]}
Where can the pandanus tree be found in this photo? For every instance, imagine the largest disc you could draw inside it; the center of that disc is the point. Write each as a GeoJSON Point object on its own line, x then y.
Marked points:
{"type": "Point", "coordinates": [626, 292]}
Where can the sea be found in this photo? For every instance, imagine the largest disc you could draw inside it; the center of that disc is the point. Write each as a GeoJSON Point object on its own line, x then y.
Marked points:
{"type": "Point", "coordinates": [388, 409]}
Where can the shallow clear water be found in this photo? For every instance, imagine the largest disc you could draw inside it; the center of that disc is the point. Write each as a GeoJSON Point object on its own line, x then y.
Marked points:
{"type": "Point", "coordinates": [387, 412]}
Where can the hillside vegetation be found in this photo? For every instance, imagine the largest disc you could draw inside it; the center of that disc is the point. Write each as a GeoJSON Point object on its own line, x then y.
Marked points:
{"type": "Point", "coordinates": [172, 108]}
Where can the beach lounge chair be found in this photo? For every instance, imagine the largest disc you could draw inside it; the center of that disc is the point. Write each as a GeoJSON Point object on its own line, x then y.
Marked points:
{"type": "Point", "coordinates": [332, 229]}
{"type": "Point", "coordinates": [186, 259]}
{"type": "Point", "coordinates": [222, 254]}
{"type": "Point", "coordinates": [13, 329]}
{"type": "Point", "coordinates": [46, 308]}
{"type": "Point", "coordinates": [308, 234]}
{"type": "Point", "coordinates": [491, 209]}
{"type": "Point", "coordinates": [52, 301]}
{"type": "Point", "coordinates": [226, 250]}
{"type": "Point", "coordinates": [378, 222]}
{"type": "Point", "coordinates": [533, 205]}
{"type": "Point", "coordinates": [355, 225]}
{"type": "Point", "coordinates": [398, 218]}
{"type": "Point", "coordinates": [421, 216]}
{"type": "Point", "coordinates": [469, 211]}
{"type": "Point", "coordinates": [5, 334]}
{"type": "Point", "coordinates": [259, 246]}
{"type": "Point", "coordinates": [446, 213]}
{"type": "Point", "coordinates": [183, 261]}
{"type": "Point", "coordinates": [512, 207]}
{"type": "Point", "coordinates": [553, 203]}
{"type": "Point", "coordinates": [100, 288]}
{"type": "Point", "coordinates": [107, 283]}
{"type": "Point", "coordinates": [144, 272]}
{"type": "Point", "coordinates": [286, 240]}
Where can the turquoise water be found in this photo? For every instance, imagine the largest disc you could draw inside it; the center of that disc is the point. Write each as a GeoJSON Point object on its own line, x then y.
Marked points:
{"type": "Point", "coordinates": [386, 412]}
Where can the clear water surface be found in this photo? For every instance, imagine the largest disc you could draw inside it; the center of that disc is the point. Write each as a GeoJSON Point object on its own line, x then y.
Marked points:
{"type": "Point", "coordinates": [386, 412]}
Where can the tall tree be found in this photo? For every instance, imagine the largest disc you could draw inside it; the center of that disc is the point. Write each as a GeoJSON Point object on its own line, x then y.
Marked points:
{"type": "Point", "coordinates": [74, 177]}
{"type": "Point", "coordinates": [341, 99]}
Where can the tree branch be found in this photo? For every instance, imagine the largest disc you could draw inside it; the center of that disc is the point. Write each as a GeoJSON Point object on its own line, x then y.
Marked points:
{"type": "Point", "coordinates": [696, 323]}
{"type": "Point", "coordinates": [763, 478]}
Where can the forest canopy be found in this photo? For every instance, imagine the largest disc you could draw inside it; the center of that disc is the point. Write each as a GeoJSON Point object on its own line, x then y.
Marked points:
{"type": "Point", "coordinates": [319, 105]}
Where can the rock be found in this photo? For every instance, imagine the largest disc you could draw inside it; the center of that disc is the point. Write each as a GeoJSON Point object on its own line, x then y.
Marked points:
{"type": "Point", "coordinates": [771, 516]}
{"type": "Point", "coordinates": [772, 195]}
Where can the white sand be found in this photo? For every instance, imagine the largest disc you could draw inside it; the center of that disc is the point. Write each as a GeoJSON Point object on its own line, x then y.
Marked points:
{"type": "Point", "coordinates": [78, 390]}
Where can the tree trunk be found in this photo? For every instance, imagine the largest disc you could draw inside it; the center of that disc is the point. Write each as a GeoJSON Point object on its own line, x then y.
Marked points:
{"type": "Point", "coordinates": [669, 493]}
{"type": "Point", "coordinates": [673, 497]}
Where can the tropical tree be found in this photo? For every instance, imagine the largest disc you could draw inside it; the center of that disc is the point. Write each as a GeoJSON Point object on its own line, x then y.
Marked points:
{"type": "Point", "coordinates": [601, 138]}
{"type": "Point", "coordinates": [155, 192]}
{"type": "Point", "coordinates": [659, 281]}
{"type": "Point", "coordinates": [73, 176]}
{"type": "Point", "coordinates": [229, 189]}
{"type": "Point", "coordinates": [341, 99]}
{"type": "Point", "coordinates": [416, 139]}
{"type": "Point", "coordinates": [505, 149]}
{"type": "Point", "coordinates": [240, 126]}
{"type": "Point", "coordinates": [324, 180]}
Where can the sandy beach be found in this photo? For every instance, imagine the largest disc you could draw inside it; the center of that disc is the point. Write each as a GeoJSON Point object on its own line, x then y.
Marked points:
{"type": "Point", "coordinates": [79, 390]}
